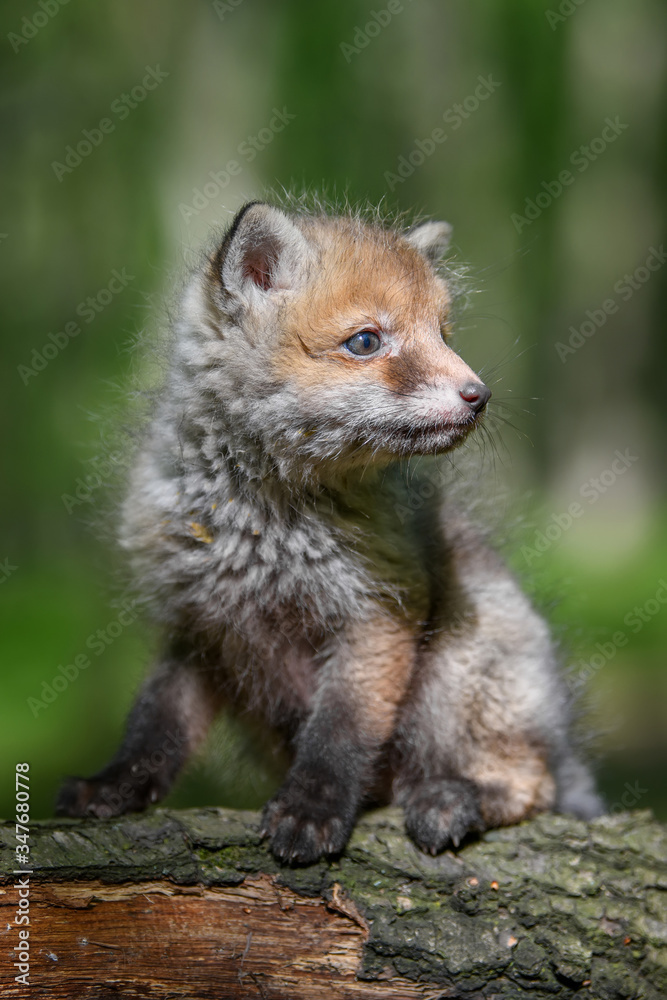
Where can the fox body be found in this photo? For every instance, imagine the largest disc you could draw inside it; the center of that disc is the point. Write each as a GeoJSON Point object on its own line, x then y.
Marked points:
{"type": "Point", "coordinates": [272, 533]}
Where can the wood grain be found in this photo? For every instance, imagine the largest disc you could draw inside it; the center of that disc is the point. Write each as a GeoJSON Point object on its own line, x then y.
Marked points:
{"type": "Point", "coordinates": [156, 939]}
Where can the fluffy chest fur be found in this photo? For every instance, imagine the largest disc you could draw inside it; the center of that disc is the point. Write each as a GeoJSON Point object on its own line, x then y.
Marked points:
{"type": "Point", "coordinates": [215, 546]}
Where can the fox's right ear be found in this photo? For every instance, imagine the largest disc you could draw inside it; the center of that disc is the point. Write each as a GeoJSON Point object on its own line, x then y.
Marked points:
{"type": "Point", "coordinates": [430, 238]}
{"type": "Point", "coordinates": [262, 251]}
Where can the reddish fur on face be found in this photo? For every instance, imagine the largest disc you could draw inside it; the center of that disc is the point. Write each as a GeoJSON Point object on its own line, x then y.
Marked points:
{"type": "Point", "coordinates": [368, 279]}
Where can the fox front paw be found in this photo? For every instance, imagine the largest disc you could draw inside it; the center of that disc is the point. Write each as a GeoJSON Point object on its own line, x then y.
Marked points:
{"type": "Point", "coordinates": [305, 822]}
{"type": "Point", "coordinates": [441, 812]}
{"type": "Point", "coordinates": [105, 796]}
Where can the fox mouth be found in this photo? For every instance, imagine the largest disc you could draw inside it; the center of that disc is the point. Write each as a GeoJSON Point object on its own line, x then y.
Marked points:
{"type": "Point", "coordinates": [413, 439]}
{"type": "Point", "coordinates": [336, 439]}
{"type": "Point", "coordinates": [430, 439]}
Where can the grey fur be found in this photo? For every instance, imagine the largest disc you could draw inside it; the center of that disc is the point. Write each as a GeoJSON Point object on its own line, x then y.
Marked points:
{"type": "Point", "coordinates": [271, 533]}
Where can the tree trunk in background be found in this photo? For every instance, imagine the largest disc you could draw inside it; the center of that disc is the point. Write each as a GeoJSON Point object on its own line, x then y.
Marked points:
{"type": "Point", "coordinates": [334, 101]}
{"type": "Point", "coordinates": [656, 356]}
{"type": "Point", "coordinates": [533, 68]}
{"type": "Point", "coordinates": [191, 904]}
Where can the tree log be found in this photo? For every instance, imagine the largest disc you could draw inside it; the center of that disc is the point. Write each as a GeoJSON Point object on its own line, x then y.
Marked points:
{"type": "Point", "coordinates": [192, 904]}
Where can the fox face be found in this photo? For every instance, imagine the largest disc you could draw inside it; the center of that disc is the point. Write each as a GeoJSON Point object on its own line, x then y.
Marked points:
{"type": "Point", "coordinates": [328, 338]}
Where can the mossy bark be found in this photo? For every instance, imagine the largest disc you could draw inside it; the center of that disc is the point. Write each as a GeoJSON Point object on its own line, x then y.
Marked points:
{"type": "Point", "coordinates": [192, 904]}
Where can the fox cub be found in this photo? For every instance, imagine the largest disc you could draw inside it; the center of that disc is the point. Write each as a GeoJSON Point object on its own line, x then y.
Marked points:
{"type": "Point", "coordinates": [272, 535]}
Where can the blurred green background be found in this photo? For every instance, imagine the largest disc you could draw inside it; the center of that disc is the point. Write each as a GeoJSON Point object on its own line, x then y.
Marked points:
{"type": "Point", "coordinates": [468, 111]}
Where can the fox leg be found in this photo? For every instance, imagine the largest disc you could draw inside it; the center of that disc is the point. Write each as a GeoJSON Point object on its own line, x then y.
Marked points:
{"type": "Point", "coordinates": [167, 722]}
{"type": "Point", "coordinates": [480, 739]}
{"type": "Point", "coordinates": [444, 808]}
{"type": "Point", "coordinates": [338, 744]}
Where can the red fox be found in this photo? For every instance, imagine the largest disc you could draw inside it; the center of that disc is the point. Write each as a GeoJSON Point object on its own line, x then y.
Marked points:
{"type": "Point", "coordinates": [266, 520]}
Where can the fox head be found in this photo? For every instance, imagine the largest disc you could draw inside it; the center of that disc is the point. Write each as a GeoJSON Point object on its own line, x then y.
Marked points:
{"type": "Point", "coordinates": [324, 338]}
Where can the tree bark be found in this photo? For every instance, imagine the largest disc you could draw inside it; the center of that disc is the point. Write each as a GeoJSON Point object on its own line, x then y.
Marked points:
{"type": "Point", "coordinates": [192, 904]}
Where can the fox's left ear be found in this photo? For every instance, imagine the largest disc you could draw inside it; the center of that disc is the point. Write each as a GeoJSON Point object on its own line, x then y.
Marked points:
{"type": "Point", "coordinates": [430, 238]}
{"type": "Point", "coordinates": [262, 251]}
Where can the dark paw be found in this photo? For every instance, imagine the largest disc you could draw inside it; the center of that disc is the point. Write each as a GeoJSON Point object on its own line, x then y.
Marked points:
{"type": "Point", "coordinates": [439, 813]}
{"type": "Point", "coordinates": [304, 822]}
{"type": "Point", "coordinates": [105, 796]}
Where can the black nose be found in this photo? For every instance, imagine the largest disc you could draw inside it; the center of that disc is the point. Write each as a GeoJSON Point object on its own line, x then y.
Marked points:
{"type": "Point", "coordinates": [476, 395]}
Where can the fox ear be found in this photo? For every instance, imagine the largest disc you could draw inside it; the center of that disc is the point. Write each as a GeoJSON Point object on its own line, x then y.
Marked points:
{"type": "Point", "coordinates": [263, 250]}
{"type": "Point", "coordinates": [430, 238]}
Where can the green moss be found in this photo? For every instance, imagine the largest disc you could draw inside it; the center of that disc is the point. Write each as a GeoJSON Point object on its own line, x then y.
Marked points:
{"type": "Point", "coordinates": [536, 909]}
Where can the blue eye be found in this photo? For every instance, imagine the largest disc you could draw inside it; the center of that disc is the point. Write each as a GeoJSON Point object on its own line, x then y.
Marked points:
{"type": "Point", "coordinates": [363, 343]}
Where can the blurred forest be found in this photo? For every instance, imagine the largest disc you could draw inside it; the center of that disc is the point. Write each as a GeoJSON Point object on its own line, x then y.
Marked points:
{"type": "Point", "coordinates": [133, 130]}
